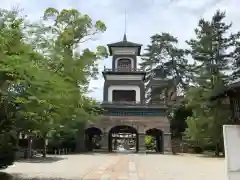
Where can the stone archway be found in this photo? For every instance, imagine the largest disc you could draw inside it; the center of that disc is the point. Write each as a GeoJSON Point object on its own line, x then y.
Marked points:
{"type": "Point", "coordinates": [157, 137]}
{"type": "Point", "coordinates": [124, 135]}
{"type": "Point", "coordinates": [93, 138]}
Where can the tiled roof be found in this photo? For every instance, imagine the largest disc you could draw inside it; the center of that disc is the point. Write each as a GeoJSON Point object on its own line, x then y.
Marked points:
{"type": "Point", "coordinates": [124, 43]}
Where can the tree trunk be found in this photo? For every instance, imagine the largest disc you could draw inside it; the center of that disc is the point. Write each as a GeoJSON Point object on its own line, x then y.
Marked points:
{"type": "Point", "coordinates": [217, 150]}
{"type": "Point", "coordinates": [29, 149]}
{"type": "Point", "coordinates": [173, 147]}
{"type": "Point", "coordinates": [44, 154]}
{"type": "Point", "coordinates": [80, 141]}
{"type": "Point", "coordinates": [198, 150]}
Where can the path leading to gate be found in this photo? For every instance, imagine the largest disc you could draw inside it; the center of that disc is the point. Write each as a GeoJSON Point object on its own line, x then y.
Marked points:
{"type": "Point", "coordinates": [124, 167]}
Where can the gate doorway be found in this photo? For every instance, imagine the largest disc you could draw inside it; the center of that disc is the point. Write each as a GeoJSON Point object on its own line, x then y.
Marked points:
{"type": "Point", "coordinates": [123, 138]}
{"type": "Point", "coordinates": [154, 141]}
{"type": "Point", "coordinates": [93, 138]}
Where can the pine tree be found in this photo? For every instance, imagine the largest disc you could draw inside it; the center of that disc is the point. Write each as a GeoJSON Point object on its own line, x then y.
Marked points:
{"type": "Point", "coordinates": [213, 52]}
{"type": "Point", "coordinates": [236, 63]}
{"type": "Point", "coordinates": [164, 57]}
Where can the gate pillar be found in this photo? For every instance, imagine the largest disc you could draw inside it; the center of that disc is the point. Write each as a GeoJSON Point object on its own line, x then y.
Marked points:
{"type": "Point", "coordinates": [141, 142]}
{"type": "Point", "coordinates": [104, 142]}
{"type": "Point", "coordinates": [167, 143]}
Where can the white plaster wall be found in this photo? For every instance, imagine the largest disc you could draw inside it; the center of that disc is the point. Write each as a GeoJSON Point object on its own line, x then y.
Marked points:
{"type": "Point", "coordinates": [124, 87]}
{"type": "Point", "coordinates": [124, 51]}
{"type": "Point", "coordinates": [231, 134]}
{"type": "Point", "coordinates": [124, 77]}
{"type": "Point", "coordinates": [119, 58]}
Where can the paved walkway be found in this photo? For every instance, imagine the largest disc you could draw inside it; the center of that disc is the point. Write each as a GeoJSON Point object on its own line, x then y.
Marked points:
{"type": "Point", "coordinates": [124, 167]}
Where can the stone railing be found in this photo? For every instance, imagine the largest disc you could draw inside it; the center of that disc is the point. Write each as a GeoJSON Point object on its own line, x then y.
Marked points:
{"type": "Point", "coordinates": [136, 113]}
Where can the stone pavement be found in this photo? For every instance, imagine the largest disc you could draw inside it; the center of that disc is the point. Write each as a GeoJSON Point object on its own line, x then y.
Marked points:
{"type": "Point", "coordinates": [124, 167]}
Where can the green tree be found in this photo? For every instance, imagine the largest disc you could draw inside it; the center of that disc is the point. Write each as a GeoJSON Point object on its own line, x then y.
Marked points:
{"type": "Point", "coordinates": [26, 82]}
{"type": "Point", "coordinates": [150, 142]}
{"type": "Point", "coordinates": [178, 121]}
{"type": "Point", "coordinates": [197, 124]}
{"type": "Point", "coordinates": [167, 62]}
{"type": "Point", "coordinates": [68, 30]}
{"type": "Point", "coordinates": [212, 50]}
{"type": "Point", "coordinates": [170, 61]}
{"type": "Point", "coordinates": [14, 58]}
{"type": "Point", "coordinates": [44, 78]}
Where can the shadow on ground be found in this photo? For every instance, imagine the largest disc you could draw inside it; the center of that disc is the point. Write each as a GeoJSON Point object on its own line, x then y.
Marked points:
{"type": "Point", "coordinates": [41, 160]}
{"type": "Point", "coordinates": [5, 176]}
{"type": "Point", "coordinates": [211, 156]}
{"type": "Point", "coordinates": [203, 155]}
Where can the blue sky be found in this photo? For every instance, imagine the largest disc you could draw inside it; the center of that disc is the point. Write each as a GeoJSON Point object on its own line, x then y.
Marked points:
{"type": "Point", "coordinates": [144, 18]}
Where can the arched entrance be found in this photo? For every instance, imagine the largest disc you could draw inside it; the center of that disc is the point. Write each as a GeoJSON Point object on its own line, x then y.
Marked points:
{"type": "Point", "coordinates": [123, 137]}
{"type": "Point", "coordinates": [93, 138]}
{"type": "Point", "coordinates": [154, 140]}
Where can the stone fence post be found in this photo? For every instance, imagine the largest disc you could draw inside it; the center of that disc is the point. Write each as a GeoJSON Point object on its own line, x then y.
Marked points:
{"type": "Point", "coordinates": [231, 135]}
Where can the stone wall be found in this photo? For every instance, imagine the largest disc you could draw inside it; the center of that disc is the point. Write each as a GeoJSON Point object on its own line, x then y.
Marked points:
{"type": "Point", "coordinates": [140, 123]}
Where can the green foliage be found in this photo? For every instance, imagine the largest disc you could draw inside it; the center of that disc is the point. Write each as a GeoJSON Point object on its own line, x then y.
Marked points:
{"type": "Point", "coordinates": [195, 134]}
{"type": "Point", "coordinates": [212, 50]}
{"type": "Point", "coordinates": [8, 139]}
{"type": "Point", "coordinates": [178, 121]}
{"type": "Point", "coordinates": [215, 53]}
{"type": "Point", "coordinates": [164, 55]}
{"type": "Point", "coordinates": [204, 128]}
{"type": "Point", "coordinates": [45, 75]}
{"type": "Point", "coordinates": [68, 29]}
{"type": "Point", "coordinates": [150, 142]}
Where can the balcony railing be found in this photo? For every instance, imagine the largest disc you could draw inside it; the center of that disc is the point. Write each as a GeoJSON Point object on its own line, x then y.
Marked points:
{"type": "Point", "coordinates": [122, 70]}
{"type": "Point", "coordinates": [131, 103]}
{"type": "Point", "coordinates": [135, 113]}
{"type": "Point", "coordinates": [122, 102]}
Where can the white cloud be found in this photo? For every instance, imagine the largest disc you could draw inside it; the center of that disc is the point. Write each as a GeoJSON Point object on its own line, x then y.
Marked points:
{"type": "Point", "coordinates": [145, 18]}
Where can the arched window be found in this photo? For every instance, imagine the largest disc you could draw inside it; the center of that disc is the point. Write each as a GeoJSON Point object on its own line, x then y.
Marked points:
{"type": "Point", "coordinates": [124, 65]}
